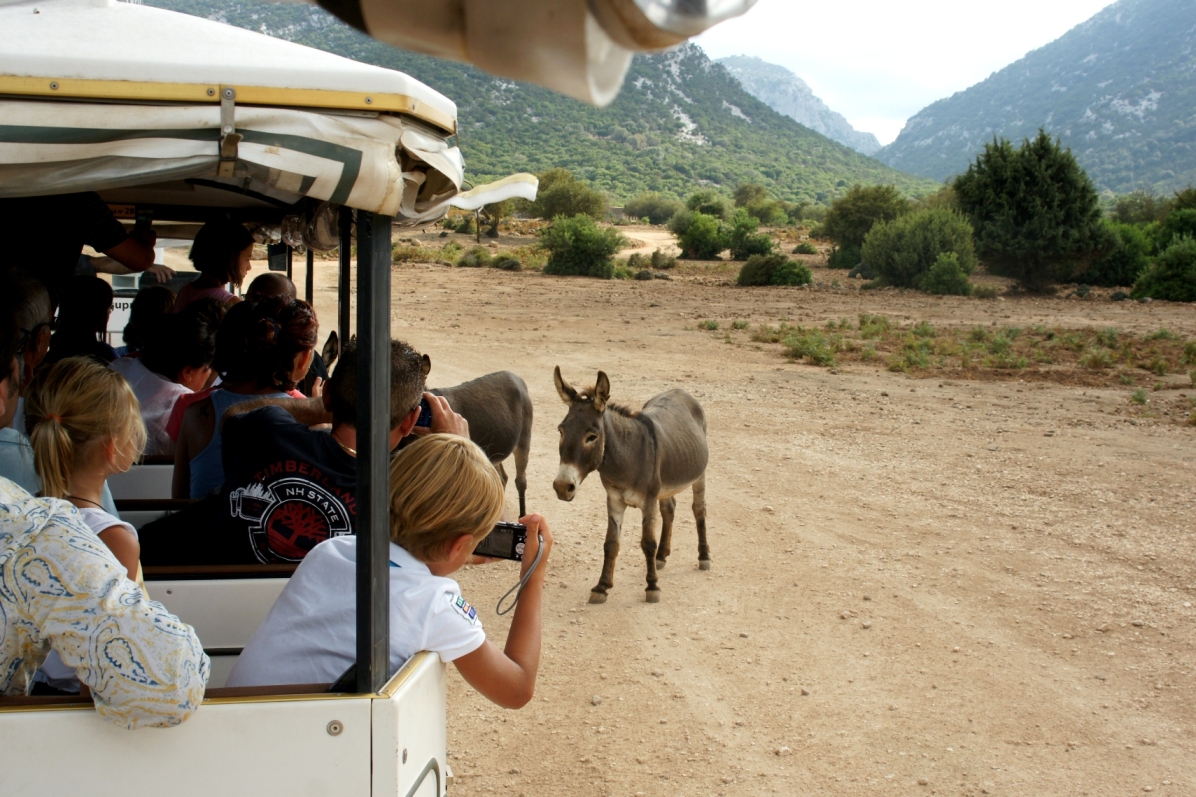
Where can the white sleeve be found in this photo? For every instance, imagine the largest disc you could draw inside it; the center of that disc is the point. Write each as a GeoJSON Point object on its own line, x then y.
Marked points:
{"type": "Point", "coordinates": [454, 629]}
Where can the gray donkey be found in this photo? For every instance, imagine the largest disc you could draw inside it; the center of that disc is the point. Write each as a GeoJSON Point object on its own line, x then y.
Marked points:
{"type": "Point", "coordinates": [499, 411]}
{"type": "Point", "coordinates": [644, 459]}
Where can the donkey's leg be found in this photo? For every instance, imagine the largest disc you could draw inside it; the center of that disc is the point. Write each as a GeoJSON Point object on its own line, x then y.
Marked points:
{"type": "Point", "coordinates": [502, 474]}
{"type": "Point", "coordinates": [648, 543]}
{"type": "Point", "coordinates": [668, 508]}
{"type": "Point", "coordinates": [700, 517]}
{"type": "Point", "coordinates": [521, 453]}
{"type": "Point", "coordinates": [615, 508]}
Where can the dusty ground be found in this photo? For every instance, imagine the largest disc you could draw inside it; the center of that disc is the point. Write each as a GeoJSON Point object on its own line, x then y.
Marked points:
{"type": "Point", "coordinates": [919, 587]}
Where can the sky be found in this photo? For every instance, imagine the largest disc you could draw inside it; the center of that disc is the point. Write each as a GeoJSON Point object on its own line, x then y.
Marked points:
{"type": "Point", "coordinates": [879, 62]}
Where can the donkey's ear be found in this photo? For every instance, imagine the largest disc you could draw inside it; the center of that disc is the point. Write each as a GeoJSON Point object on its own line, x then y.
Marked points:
{"type": "Point", "coordinates": [332, 349]}
{"type": "Point", "coordinates": [601, 392]}
{"type": "Point", "coordinates": [425, 365]}
{"type": "Point", "coordinates": [563, 388]}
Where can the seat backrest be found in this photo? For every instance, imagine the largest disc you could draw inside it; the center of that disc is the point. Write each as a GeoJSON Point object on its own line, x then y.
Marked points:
{"type": "Point", "coordinates": [143, 482]}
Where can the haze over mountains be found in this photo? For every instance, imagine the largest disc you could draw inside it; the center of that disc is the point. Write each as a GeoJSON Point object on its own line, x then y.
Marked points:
{"type": "Point", "coordinates": [788, 94]}
{"type": "Point", "coordinates": [681, 122]}
{"type": "Point", "coordinates": [1119, 90]}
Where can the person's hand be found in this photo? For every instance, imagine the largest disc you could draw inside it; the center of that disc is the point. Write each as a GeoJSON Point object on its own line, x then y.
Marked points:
{"type": "Point", "coordinates": [317, 387]}
{"type": "Point", "coordinates": [444, 420]}
{"type": "Point", "coordinates": [482, 560]}
{"type": "Point", "coordinates": [537, 527]}
{"type": "Point", "coordinates": [162, 273]}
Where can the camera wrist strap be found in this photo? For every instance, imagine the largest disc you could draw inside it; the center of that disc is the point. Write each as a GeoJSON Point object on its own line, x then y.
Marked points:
{"type": "Point", "coordinates": [518, 588]}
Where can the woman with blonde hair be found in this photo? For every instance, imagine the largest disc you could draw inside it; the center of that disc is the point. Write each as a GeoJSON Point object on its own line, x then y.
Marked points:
{"type": "Point", "coordinates": [445, 497]}
{"type": "Point", "coordinates": [85, 425]}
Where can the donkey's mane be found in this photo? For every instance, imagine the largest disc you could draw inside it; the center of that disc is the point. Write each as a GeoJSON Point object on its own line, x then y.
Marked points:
{"type": "Point", "coordinates": [620, 409]}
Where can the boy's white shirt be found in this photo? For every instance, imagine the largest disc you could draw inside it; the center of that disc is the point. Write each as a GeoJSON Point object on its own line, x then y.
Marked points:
{"type": "Point", "coordinates": [309, 636]}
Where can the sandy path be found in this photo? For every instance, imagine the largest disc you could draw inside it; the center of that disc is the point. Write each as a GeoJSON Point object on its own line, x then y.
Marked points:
{"type": "Point", "coordinates": [973, 607]}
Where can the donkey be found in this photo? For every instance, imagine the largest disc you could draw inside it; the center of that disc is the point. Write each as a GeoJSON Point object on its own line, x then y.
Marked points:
{"type": "Point", "coordinates": [644, 459]}
{"type": "Point", "coordinates": [499, 410]}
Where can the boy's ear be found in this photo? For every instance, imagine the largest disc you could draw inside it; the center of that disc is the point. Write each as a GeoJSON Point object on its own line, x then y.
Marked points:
{"type": "Point", "coordinates": [464, 542]}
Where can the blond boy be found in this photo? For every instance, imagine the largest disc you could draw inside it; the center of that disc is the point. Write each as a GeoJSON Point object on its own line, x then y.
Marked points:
{"type": "Point", "coordinates": [445, 497]}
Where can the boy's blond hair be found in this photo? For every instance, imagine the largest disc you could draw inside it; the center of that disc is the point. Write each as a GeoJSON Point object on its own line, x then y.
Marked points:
{"type": "Point", "coordinates": [75, 403]}
{"type": "Point", "coordinates": [441, 487]}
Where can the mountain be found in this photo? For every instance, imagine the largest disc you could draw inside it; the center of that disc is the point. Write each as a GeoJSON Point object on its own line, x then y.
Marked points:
{"type": "Point", "coordinates": [786, 93]}
{"type": "Point", "coordinates": [681, 122]}
{"type": "Point", "coordinates": [1118, 90]}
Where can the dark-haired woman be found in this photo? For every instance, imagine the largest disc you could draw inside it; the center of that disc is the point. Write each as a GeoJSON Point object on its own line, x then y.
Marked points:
{"type": "Point", "coordinates": [263, 349]}
{"type": "Point", "coordinates": [221, 254]}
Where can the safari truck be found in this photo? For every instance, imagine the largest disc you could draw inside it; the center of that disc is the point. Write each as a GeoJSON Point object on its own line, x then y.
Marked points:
{"type": "Point", "coordinates": [176, 120]}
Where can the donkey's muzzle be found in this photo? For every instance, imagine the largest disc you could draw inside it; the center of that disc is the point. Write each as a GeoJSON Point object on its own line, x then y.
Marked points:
{"type": "Point", "coordinates": [565, 489]}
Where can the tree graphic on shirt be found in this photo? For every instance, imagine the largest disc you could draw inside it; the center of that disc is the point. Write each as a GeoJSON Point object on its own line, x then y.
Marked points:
{"type": "Point", "coordinates": [295, 528]}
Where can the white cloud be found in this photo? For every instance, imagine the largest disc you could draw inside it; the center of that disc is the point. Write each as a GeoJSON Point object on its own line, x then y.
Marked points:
{"type": "Point", "coordinates": [878, 62]}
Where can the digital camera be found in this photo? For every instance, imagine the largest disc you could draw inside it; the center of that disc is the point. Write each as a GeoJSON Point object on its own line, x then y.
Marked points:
{"type": "Point", "coordinates": [505, 542]}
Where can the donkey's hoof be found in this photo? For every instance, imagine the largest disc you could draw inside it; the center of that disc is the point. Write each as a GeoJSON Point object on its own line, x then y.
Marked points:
{"type": "Point", "coordinates": [597, 597]}
{"type": "Point", "coordinates": [705, 564]}
{"type": "Point", "coordinates": [652, 596]}
{"type": "Point", "coordinates": [660, 563]}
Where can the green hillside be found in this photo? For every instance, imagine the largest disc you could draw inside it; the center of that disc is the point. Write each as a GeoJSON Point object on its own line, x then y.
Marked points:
{"type": "Point", "coordinates": [682, 122]}
{"type": "Point", "coordinates": [1117, 90]}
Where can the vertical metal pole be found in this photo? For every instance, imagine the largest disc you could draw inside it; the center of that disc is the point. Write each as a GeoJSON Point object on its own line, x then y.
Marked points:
{"type": "Point", "coordinates": [290, 263]}
{"type": "Point", "coordinates": [344, 277]}
{"type": "Point", "coordinates": [373, 431]}
{"type": "Point", "coordinates": [310, 286]}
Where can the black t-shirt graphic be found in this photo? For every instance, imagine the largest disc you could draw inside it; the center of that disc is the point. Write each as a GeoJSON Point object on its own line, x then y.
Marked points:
{"type": "Point", "coordinates": [287, 488]}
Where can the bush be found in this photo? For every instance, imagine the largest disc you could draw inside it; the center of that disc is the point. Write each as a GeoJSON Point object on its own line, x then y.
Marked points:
{"type": "Point", "coordinates": [663, 261]}
{"type": "Point", "coordinates": [805, 248]}
{"type": "Point", "coordinates": [793, 273]}
{"type": "Point", "coordinates": [844, 257]}
{"type": "Point", "coordinates": [773, 270]}
{"type": "Point", "coordinates": [1035, 213]}
{"type": "Point", "coordinates": [819, 349]}
{"type": "Point", "coordinates": [852, 216]}
{"type": "Point", "coordinates": [743, 240]}
{"type": "Point", "coordinates": [986, 292]}
{"type": "Point", "coordinates": [768, 212]}
{"type": "Point", "coordinates": [577, 246]}
{"type": "Point", "coordinates": [562, 194]}
{"type": "Point", "coordinates": [901, 252]}
{"type": "Point", "coordinates": [1125, 261]}
{"type": "Point", "coordinates": [1178, 223]}
{"type": "Point", "coordinates": [703, 238]}
{"type": "Point", "coordinates": [709, 203]}
{"type": "Point", "coordinates": [680, 222]}
{"type": "Point", "coordinates": [1172, 276]}
{"type": "Point", "coordinates": [1140, 207]}
{"type": "Point", "coordinates": [946, 277]}
{"type": "Point", "coordinates": [475, 257]}
{"type": "Point", "coordinates": [655, 207]}
{"type": "Point", "coordinates": [709, 325]}
{"type": "Point", "coordinates": [507, 263]}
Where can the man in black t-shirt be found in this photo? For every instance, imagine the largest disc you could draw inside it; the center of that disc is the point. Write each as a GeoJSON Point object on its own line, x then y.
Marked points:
{"type": "Point", "coordinates": [49, 233]}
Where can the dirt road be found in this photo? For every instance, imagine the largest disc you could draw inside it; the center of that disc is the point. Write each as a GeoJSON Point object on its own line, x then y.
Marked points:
{"type": "Point", "coordinates": [918, 587]}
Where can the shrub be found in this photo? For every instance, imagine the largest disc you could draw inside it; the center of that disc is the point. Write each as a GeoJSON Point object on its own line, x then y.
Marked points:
{"type": "Point", "coordinates": [507, 263]}
{"type": "Point", "coordinates": [1140, 207]}
{"type": "Point", "coordinates": [680, 222]}
{"type": "Point", "coordinates": [748, 193]}
{"type": "Point", "coordinates": [1178, 224]}
{"type": "Point", "coordinates": [743, 240]}
{"type": "Point", "coordinates": [1035, 213]}
{"type": "Point", "coordinates": [819, 349]}
{"type": "Point", "coordinates": [1108, 337]}
{"type": "Point", "coordinates": [655, 207]}
{"type": "Point", "coordinates": [1125, 261]}
{"type": "Point", "coordinates": [562, 194]}
{"type": "Point", "coordinates": [1140, 396]}
{"type": "Point", "coordinates": [1162, 334]}
{"type": "Point", "coordinates": [852, 216]}
{"type": "Point", "coordinates": [622, 273]}
{"type": "Point", "coordinates": [793, 273]}
{"type": "Point", "coordinates": [1190, 353]}
{"type": "Point", "coordinates": [844, 257]}
{"type": "Point", "coordinates": [644, 275]}
{"type": "Point", "coordinates": [740, 324]}
{"type": "Point", "coordinates": [986, 292]}
{"type": "Point", "coordinates": [902, 251]}
{"type": "Point", "coordinates": [709, 203]}
{"type": "Point", "coordinates": [1172, 277]}
{"type": "Point", "coordinates": [661, 260]}
{"type": "Point", "coordinates": [1097, 359]}
{"type": "Point", "coordinates": [577, 246]}
{"type": "Point", "coordinates": [805, 248]}
{"type": "Point", "coordinates": [703, 238]}
{"type": "Point", "coordinates": [874, 326]}
{"type": "Point", "coordinates": [475, 257]}
{"type": "Point", "coordinates": [946, 277]}
{"type": "Point", "coordinates": [709, 324]}
{"type": "Point", "coordinates": [466, 226]}
{"type": "Point", "coordinates": [769, 212]}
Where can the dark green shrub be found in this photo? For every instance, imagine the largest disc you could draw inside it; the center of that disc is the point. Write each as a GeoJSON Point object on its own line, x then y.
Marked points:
{"type": "Point", "coordinates": [1140, 207]}
{"type": "Point", "coordinates": [1035, 213]}
{"type": "Point", "coordinates": [793, 273]}
{"type": "Point", "coordinates": [742, 238]}
{"type": "Point", "coordinates": [655, 207]}
{"type": "Point", "coordinates": [709, 203]}
{"type": "Point", "coordinates": [644, 275]}
{"type": "Point", "coordinates": [768, 212]}
{"type": "Point", "coordinates": [703, 238]}
{"type": "Point", "coordinates": [507, 263]}
{"type": "Point", "coordinates": [680, 222]}
{"type": "Point", "coordinates": [663, 261]}
{"type": "Point", "coordinates": [901, 252]}
{"type": "Point", "coordinates": [1178, 223]}
{"type": "Point", "coordinates": [1125, 261]}
{"type": "Point", "coordinates": [853, 215]}
{"type": "Point", "coordinates": [844, 257]}
{"type": "Point", "coordinates": [562, 194]}
{"type": "Point", "coordinates": [805, 248]}
{"type": "Point", "coordinates": [946, 277]}
{"type": "Point", "coordinates": [747, 193]}
{"type": "Point", "coordinates": [465, 227]}
{"type": "Point", "coordinates": [577, 246]}
{"type": "Point", "coordinates": [475, 257]}
{"type": "Point", "coordinates": [1172, 276]}
{"type": "Point", "coordinates": [986, 292]}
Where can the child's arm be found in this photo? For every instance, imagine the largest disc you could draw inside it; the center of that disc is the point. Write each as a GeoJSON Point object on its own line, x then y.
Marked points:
{"type": "Point", "coordinates": [508, 677]}
{"type": "Point", "coordinates": [124, 547]}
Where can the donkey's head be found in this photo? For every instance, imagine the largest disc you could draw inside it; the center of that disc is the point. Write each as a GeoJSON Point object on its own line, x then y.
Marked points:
{"type": "Point", "coordinates": [583, 438]}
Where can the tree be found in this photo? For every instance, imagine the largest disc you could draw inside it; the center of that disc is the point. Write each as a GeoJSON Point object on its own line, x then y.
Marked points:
{"type": "Point", "coordinates": [655, 207]}
{"type": "Point", "coordinates": [750, 192]}
{"type": "Point", "coordinates": [1140, 207]}
{"type": "Point", "coordinates": [562, 194]}
{"type": "Point", "coordinates": [1172, 276]}
{"type": "Point", "coordinates": [743, 240]}
{"type": "Point", "coordinates": [710, 203]}
{"type": "Point", "coordinates": [852, 216]}
{"type": "Point", "coordinates": [577, 246]}
{"type": "Point", "coordinates": [703, 238]}
{"type": "Point", "coordinates": [1125, 261]}
{"type": "Point", "coordinates": [903, 251]}
{"type": "Point", "coordinates": [1036, 214]}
